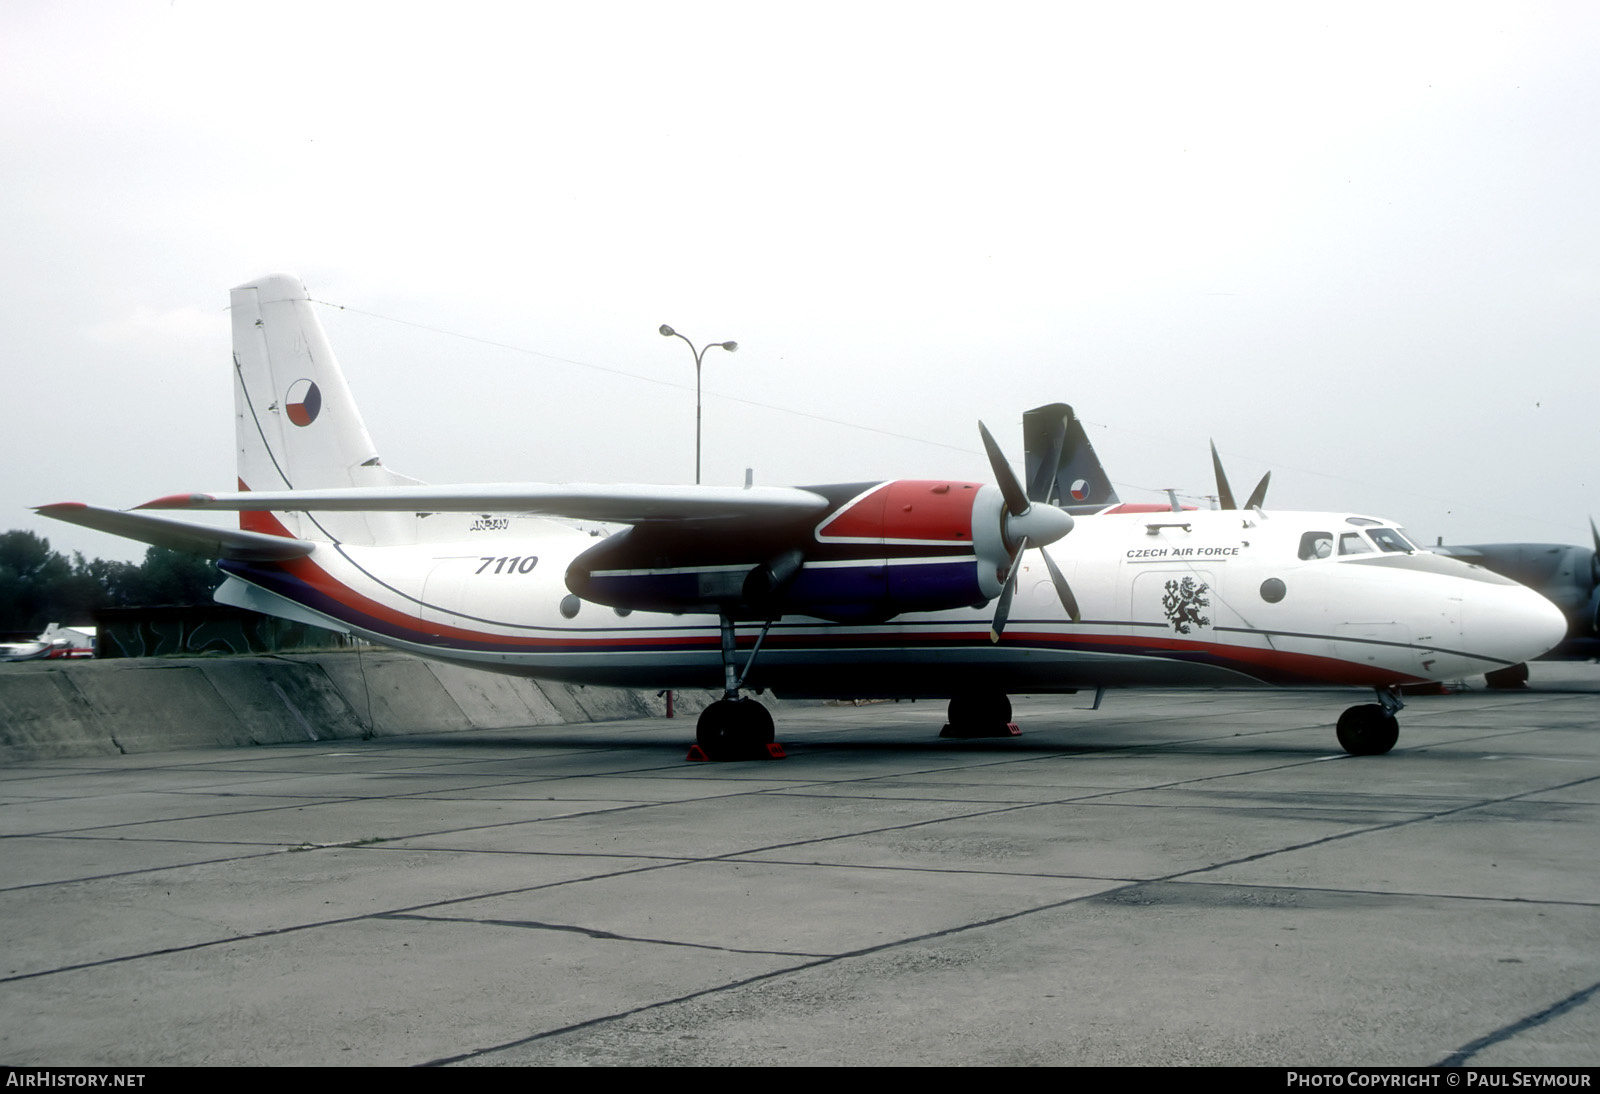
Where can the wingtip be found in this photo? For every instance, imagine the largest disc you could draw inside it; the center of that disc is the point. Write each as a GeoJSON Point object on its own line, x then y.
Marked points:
{"type": "Point", "coordinates": [59, 507]}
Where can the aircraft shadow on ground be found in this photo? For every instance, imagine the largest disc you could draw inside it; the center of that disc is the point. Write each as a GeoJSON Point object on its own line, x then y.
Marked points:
{"type": "Point", "coordinates": [800, 745]}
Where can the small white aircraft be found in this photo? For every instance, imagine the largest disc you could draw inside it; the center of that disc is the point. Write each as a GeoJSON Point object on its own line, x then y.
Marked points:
{"type": "Point", "coordinates": [906, 588]}
{"type": "Point", "coordinates": [56, 643]}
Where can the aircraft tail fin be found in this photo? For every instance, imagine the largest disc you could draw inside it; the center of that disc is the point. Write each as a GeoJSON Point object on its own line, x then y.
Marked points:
{"type": "Point", "coordinates": [1061, 465]}
{"type": "Point", "coordinates": [297, 425]}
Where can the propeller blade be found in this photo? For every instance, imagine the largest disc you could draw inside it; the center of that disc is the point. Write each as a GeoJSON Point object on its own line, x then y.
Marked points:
{"type": "Point", "coordinates": [1002, 611]}
{"type": "Point", "coordinates": [1044, 481]}
{"type": "Point", "coordinates": [1063, 590]}
{"type": "Point", "coordinates": [1017, 502]}
{"type": "Point", "coordinates": [1224, 493]}
{"type": "Point", "coordinates": [1032, 525]}
{"type": "Point", "coordinates": [1258, 496]}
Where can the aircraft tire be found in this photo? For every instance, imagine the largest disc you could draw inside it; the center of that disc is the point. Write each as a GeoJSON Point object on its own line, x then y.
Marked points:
{"type": "Point", "coordinates": [1368, 730]}
{"type": "Point", "coordinates": [731, 727]}
{"type": "Point", "coordinates": [984, 708]}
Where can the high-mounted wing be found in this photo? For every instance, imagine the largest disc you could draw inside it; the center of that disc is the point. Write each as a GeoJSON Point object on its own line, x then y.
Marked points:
{"type": "Point", "coordinates": [619, 504]}
{"type": "Point", "coordinates": [177, 535]}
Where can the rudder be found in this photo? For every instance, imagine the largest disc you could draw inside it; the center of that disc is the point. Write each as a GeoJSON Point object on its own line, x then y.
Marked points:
{"type": "Point", "coordinates": [296, 425]}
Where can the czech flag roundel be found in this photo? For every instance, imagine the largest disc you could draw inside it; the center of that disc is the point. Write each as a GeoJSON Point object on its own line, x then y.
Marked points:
{"type": "Point", "coordinates": [1080, 488]}
{"type": "Point", "coordinates": [303, 402]}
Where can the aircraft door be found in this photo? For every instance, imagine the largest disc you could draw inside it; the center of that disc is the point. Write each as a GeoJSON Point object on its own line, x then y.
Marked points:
{"type": "Point", "coordinates": [442, 590]}
{"type": "Point", "coordinates": [1177, 601]}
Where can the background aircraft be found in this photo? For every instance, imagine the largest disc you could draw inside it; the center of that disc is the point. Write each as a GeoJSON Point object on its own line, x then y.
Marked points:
{"type": "Point", "coordinates": [920, 588]}
{"type": "Point", "coordinates": [1567, 576]}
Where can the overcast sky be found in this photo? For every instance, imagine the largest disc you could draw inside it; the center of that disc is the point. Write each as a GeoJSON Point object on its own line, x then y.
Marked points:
{"type": "Point", "coordinates": [1357, 244]}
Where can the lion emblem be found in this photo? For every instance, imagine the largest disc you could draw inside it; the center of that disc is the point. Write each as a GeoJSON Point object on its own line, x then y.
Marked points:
{"type": "Point", "coordinates": [1183, 602]}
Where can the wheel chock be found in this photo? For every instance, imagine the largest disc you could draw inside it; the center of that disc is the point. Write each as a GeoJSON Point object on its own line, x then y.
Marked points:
{"type": "Point", "coordinates": [964, 733]}
{"type": "Point", "coordinates": [771, 751]}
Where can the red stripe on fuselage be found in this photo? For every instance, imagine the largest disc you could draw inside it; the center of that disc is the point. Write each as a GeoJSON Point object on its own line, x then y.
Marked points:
{"type": "Point", "coordinates": [1261, 663]}
{"type": "Point", "coordinates": [1310, 666]}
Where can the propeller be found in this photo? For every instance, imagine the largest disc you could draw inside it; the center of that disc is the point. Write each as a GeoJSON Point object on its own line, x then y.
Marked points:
{"type": "Point", "coordinates": [1594, 563]}
{"type": "Point", "coordinates": [1023, 524]}
{"type": "Point", "coordinates": [1043, 483]}
{"type": "Point", "coordinates": [1258, 496]}
{"type": "Point", "coordinates": [1594, 580]}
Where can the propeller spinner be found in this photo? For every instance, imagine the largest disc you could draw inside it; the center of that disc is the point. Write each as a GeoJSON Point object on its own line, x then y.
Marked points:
{"type": "Point", "coordinates": [1025, 523]}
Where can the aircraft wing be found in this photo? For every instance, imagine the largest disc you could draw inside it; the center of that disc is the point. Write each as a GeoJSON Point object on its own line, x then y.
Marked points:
{"type": "Point", "coordinates": [177, 535]}
{"type": "Point", "coordinates": [619, 504]}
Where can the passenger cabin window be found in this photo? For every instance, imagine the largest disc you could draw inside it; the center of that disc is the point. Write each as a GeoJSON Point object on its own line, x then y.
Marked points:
{"type": "Point", "coordinates": [1352, 543]}
{"type": "Point", "coordinates": [1316, 545]}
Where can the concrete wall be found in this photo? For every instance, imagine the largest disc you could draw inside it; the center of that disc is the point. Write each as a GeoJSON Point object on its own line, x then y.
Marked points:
{"type": "Point", "coordinates": [53, 709]}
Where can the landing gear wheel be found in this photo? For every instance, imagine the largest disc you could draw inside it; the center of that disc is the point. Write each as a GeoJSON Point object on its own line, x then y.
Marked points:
{"type": "Point", "coordinates": [734, 728]}
{"type": "Point", "coordinates": [979, 714]}
{"type": "Point", "coordinates": [980, 709]}
{"type": "Point", "coordinates": [1368, 730]}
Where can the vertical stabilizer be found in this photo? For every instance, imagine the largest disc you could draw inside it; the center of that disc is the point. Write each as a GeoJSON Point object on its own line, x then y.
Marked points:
{"type": "Point", "coordinates": [1061, 465]}
{"type": "Point", "coordinates": [297, 427]}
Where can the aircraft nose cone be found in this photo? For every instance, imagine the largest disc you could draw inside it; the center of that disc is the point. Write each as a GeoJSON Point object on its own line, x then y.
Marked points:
{"type": "Point", "coordinates": [1042, 524]}
{"type": "Point", "coordinates": [1515, 624]}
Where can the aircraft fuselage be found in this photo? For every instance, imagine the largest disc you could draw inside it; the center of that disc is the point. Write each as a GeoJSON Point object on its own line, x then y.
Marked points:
{"type": "Point", "coordinates": [1186, 599]}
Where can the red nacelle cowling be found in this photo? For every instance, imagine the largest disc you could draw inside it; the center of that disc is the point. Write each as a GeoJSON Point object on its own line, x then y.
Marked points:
{"type": "Point", "coordinates": [885, 549]}
{"type": "Point", "coordinates": [919, 547]}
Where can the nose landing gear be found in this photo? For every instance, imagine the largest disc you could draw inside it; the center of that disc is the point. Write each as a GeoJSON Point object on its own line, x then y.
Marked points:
{"type": "Point", "coordinates": [1371, 729]}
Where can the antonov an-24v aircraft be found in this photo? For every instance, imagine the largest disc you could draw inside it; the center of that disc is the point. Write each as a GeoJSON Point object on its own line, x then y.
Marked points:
{"type": "Point", "coordinates": [908, 588]}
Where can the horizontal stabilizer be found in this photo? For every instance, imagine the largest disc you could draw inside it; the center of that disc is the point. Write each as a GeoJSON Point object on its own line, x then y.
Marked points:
{"type": "Point", "coordinates": [177, 535]}
{"type": "Point", "coordinates": [619, 504]}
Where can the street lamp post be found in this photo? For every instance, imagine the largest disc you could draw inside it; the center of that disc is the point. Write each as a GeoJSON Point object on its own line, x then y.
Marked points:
{"type": "Point", "coordinates": [668, 332]}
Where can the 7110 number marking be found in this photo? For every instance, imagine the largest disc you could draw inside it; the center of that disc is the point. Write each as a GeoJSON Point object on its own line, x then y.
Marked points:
{"type": "Point", "coordinates": [516, 564]}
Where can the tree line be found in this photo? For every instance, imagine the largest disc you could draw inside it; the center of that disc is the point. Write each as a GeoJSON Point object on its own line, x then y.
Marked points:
{"type": "Point", "coordinates": [39, 586]}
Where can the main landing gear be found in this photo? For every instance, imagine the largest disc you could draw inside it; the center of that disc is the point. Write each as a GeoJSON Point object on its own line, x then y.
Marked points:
{"type": "Point", "coordinates": [736, 727]}
{"type": "Point", "coordinates": [1371, 729]}
{"type": "Point", "coordinates": [980, 714]}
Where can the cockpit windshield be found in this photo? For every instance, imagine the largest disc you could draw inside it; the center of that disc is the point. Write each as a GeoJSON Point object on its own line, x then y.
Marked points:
{"type": "Point", "coordinates": [1315, 545]}
{"type": "Point", "coordinates": [1390, 539]}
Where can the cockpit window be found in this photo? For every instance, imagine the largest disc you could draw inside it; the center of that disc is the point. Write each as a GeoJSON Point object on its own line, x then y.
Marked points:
{"type": "Point", "coordinates": [1352, 543]}
{"type": "Point", "coordinates": [1390, 539]}
{"type": "Point", "coordinates": [1316, 545]}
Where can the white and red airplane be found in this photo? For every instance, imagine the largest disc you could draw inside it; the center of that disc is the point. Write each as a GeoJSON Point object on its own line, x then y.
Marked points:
{"type": "Point", "coordinates": [906, 588]}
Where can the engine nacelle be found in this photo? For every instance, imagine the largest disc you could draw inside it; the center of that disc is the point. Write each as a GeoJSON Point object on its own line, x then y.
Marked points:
{"type": "Point", "coordinates": [881, 550]}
